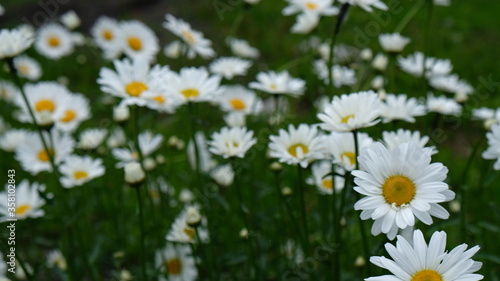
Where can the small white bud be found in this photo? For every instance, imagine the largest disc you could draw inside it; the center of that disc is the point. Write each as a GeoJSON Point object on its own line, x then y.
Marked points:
{"type": "Point", "coordinates": [121, 113]}
{"type": "Point", "coordinates": [134, 175]}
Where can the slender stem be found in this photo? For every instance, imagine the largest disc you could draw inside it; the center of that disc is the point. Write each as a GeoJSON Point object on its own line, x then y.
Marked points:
{"type": "Point", "coordinates": [340, 20]}
{"type": "Point", "coordinates": [356, 147]}
{"type": "Point", "coordinates": [303, 210]}
{"type": "Point", "coordinates": [141, 225]}
{"type": "Point", "coordinates": [336, 231]}
{"type": "Point", "coordinates": [428, 21]}
{"type": "Point", "coordinates": [296, 62]}
{"type": "Point", "coordinates": [239, 18]}
{"type": "Point", "coordinates": [393, 66]}
{"type": "Point", "coordinates": [409, 16]}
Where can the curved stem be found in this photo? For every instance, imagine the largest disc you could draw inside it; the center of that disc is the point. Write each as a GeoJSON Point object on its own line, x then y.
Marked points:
{"type": "Point", "coordinates": [141, 224]}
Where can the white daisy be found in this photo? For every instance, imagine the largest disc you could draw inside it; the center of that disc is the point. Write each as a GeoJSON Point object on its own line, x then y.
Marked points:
{"type": "Point", "coordinates": [367, 4]}
{"type": "Point", "coordinates": [242, 48]}
{"type": "Point", "coordinates": [443, 105]}
{"type": "Point", "coordinates": [228, 67]}
{"type": "Point", "coordinates": [158, 97]}
{"type": "Point", "coordinates": [148, 143]}
{"type": "Point", "coordinates": [401, 107]}
{"type": "Point", "coordinates": [232, 142]}
{"type": "Point", "coordinates": [235, 119]}
{"type": "Point", "coordinates": [174, 49]}
{"type": "Point", "coordinates": [138, 41]}
{"type": "Point", "coordinates": [15, 41]}
{"type": "Point", "coordinates": [54, 41]}
{"type": "Point", "coordinates": [91, 138]}
{"type": "Point", "coordinates": [11, 139]}
{"type": "Point", "coordinates": [72, 112]}
{"type": "Point", "coordinates": [380, 62]}
{"type": "Point", "coordinates": [177, 262]}
{"type": "Point", "coordinates": [33, 156]}
{"type": "Point", "coordinates": [107, 35]}
{"type": "Point", "coordinates": [204, 156]}
{"type": "Point", "coordinates": [56, 258]}
{"type": "Point", "coordinates": [192, 85]}
{"type": "Point", "coordinates": [116, 138]}
{"type": "Point", "coordinates": [181, 232]}
{"type": "Point", "coordinates": [71, 20]}
{"type": "Point", "coordinates": [451, 84]}
{"type": "Point", "coordinates": [28, 202]}
{"type": "Point", "coordinates": [493, 151]}
{"type": "Point", "coordinates": [316, 7]}
{"type": "Point", "coordinates": [324, 183]}
{"type": "Point", "coordinates": [305, 23]}
{"type": "Point", "coordinates": [351, 112]}
{"type": "Point", "coordinates": [77, 170]}
{"type": "Point", "coordinates": [342, 148]}
{"type": "Point", "coordinates": [414, 260]}
{"type": "Point", "coordinates": [400, 185]}
{"type": "Point", "coordinates": [393, 140]}
{"type": "Point", "coordinates": [194, 39]}
{"type": "Point", "coordinates": [299, 145]}
{"type": "Point", "coordinates": [342, 75]}
{"type": "Point", "coordinates": [236, 98]}
{"type": "Point", "coordinates": [28, 67]}
{"type": "Point", "coordinates": [223, 175]}
{"type": "Point", "coordinates": [279, 83]}
{"type": "Point", "coordinates": [134, 174]}
{"type": "Point", "coordinates": [8, 91]}
{"type": "Point", "coordinates": [414, 65]}
{"type": "Point", "coordinates": [393, 42]}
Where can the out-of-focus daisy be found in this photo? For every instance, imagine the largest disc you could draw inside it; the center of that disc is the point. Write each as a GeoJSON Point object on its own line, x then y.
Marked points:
{"type": "Point", "coordinates": [232, 142]}
{"type": "Point", "coordinates": [116, 138]}
{"type": "Point", "coordinates": [11, 139]}
{"type": "Point", "coordinates": [33, 156]}
{"type": "Point", "coordinates": [488, 115]}
{"type": "Point", "coordinates": [77, 170]}
{"type": "Point", "coordinates": [380, 62]}
{"type": "Point", "coordinates": [56, 258]}
{"type": "Point", "coordinates": [305, 23]}
{"type": "Point", "coordinates": [316, 7]}
{"type": "Point", "coordinates": [299, 145]}
{"type": "Point", "coordinates": [181, 232]}
{"type": "Point", "coordinates": [15, 41]}
{"type": "Point", "coordinates": [342, 75]}
{"type": "Point", "coordinates": [204, 156]}
{"type": "Point", "coordinates": [378, 82]}
{"type": "Point", "coordinates": [223, 175]}
{"type": "Point", "coordinates": [414, 260]}
{"type": "Point", "coordinates": [192, 85]}
{"type": "Point", "coordinates": [54, 41]}
{"type": "Point", "coordinates": [177, 262]}
{"type": "Point", "coordinates": [401, 107]}
{"type": "Point", "coordinates": [393, 140]}
{"type": "Point", "coordinates": [8, 91]}
{"type": "Point", "coordinates": [279, 83]}
{"type": "Point", "coordinates": [367, 4]}
{"type": "Point", "coordinates": [236, 98]}
{"type": "Point", "coordinates": [228, 67]}
{"type": "Point", "coordinates": [235, 119]}
{"type": "Point", "coordinates": [28, 202]}
{"type": "Point", "coordinates": [107, 35]}
{"type": "Point", "coordinates": [91, 138]}
{"type": "Point", "coordinates": [493, 151]}
{"type": "Point", "coordinates": [242, 48]}
{"type": "Point", "coordinates": [148, 143]}
{"type": "Point", "coordinates": [451, 84]}
{"type": "Point", "coordinates": [351, 112]}
{"type": "Point", "coordinates": [28, 67]}
{"type": "Point", "coordinates": [414, 65]}
{"type": "Point", "coordinates": [341, 147]}
{"type": "Point", "coordinates": [139, 41]}
{"type": "Point", "coordinates": [326, 184]}
{"type": "Point", "coordinates": [158, 97]}
{"type": "Point", "coordinates": [443, 105]}
{"type": "Point", "coordinates": [72, 112]}
{"type": "Point", "coordinates": [399, 185]}
{"type": "Point", "coordinates": [174, 49]}
{"type": "Point", "coordinates": [393, 42]}
{"type": "Point", "coordinates": [194, 39]}
{"type": "Point", "coordinates": [71, 20]}
{"type": "Point", "coordinates": [134, 174]}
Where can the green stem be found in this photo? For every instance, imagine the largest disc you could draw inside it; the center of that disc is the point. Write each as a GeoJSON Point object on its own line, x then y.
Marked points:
{"type": "Point", "coordinates": [340, 20]}
{"type": "Point", "coordinates": [25, 269]}
{"type": "Point", "coordinates": [428, 21]}
{"type": "Point", "coordinates": [296, 62]}
{"type": "Point", "coordinates": [141, 225]}
{"type": "Point", "coordinates": [409, 16]}
{"type": "Point", "coordinates": [336, 231]}
{"type": "Point", "coordinates": [303, 210]}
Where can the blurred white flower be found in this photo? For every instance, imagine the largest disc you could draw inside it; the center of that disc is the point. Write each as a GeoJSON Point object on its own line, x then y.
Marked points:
{"type": "Point", "coordinates": [91, 138]}
{"type": "Point", "coordinates": [228, 67]}
{"type": "Point", "coordinates": [451, 84]}
{"type": "Point", "coordinates": [279, 83]}
{"type": "Point", "coordinates": [134, 174]}
{"type": "Point", "coordinates": [15, 41]}
{"type": "Point", "coordinates": [223, 175]}
{"type": "Point", "coordinates": [236, 98]}
{"type": "Point", "coordinates": [392, 140]}
{"type": "Point", "coordinates": [443, 105]}
{"type": "Point", "coordinates": [400, 107]}
{"type": "Point", "coordinates": [107, 35]}
{"type": "Point", "coordinates": [342, 75]}
{"type": "Point", "coordinates": [206, 162]}
{"type": "Point", "coordinates": [54, 41]}
{"type": "Point", "coordinates": [231, 142]}
{"type": "Point", "coordinates": [241, 48]}
{"type": "Point", "coordinates": [10, 140]}
{"type": "Point", "coordinates": [192, 85]}
{"type": "Point", "coordinates": [393, 42]}
{"type": "Point", "coordinates": [177, 262]}
{"type": "Point", "coordinates": [139, 42]}
{"type": "Point", "coordinates": [414, 65]}
{"type": "Point", "coordinates": [341, 148]}
{"type": "Point", "coordinates": [380, 62]}
{"type": "Point", "coordinates": [323, 181]}
{"type": "Point", "coordinates": [29, 203]}
{"type": "Point", "coordinates": [28, 67]}
{"type": "Point", "coordinates": [71, 20]}
{"type": "Point", "coordinates": [493, 150]}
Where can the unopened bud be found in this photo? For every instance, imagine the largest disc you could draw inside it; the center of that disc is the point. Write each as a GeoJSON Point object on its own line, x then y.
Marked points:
{"type": "Point", "coordinates": [134, 174]}
{"type": "Point", "coordinates": [149, 164]}
{"type": "Point", "coordinates": [193, 217]}
{"type": "Point", "coordinates": [121, 113]}
{"type": "Point", "coordinates": [286, 191]}
{"type": "Point", "coordinates": [360, 261]}
{"type": "Point", "coordinates": [276, 167]}
{"type": "Point", "coordinates": [244, 233]}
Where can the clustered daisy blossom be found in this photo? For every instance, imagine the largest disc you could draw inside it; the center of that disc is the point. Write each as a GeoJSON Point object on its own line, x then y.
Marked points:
{"type": "Point", "coordinates": [177, 262]}
{"type": "Point", "coordinates": [279, 83]}
{"type": "Point", "coordinates": [15, 41]}
{"type": "Point", "coordinates": [232, 142]}
{"type": "Point", "coordinates": [29, 203]}
{"type": "Point", "coordinates": [493, 151]}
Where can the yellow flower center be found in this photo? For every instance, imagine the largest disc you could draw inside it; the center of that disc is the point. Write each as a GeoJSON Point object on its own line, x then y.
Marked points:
{"type": "Point", "coordinates": [188, 36]}
{"type": "Point", "coordinates": [135, 88]}
{"type": "Point", "coordinates": [294, 149]}
{"type": "Point", "coordinates": [273, 86]}
{"type": "Point", "coordinates": [346, 119]}
{"type": "Point", "coordinates": [44, 156]}
{"type": "Point", "coordinates": [311, 6]}
{"type": "Point", "coordinates": [350, 155]}
{"type": "Point", "coordinates": [80, 174]}
{"type": "Point", "coordinates": [54, 41]}
{"type": "Point", "coordinates": [190, 93]}
{"type": "Point", "coordinates": [327, 183]}
{"type": "Point", "coordinates": [107, 34]}
{"type": "Point", "coordinates": [190, 232]}
{"type": "Point", "coordinates": [398, 190]}
{"type": "Point", "coordinates": [427, 275]}
{"type": "Point", "coordinates": [135, 43]}
{"type": "Point", "coordinates": [159, 99]}
{"type": "Point", "coordinates": [173, 266]}
{"type": "Point", "coordinates": [135, 155]}
{"type": "Point", "coordinates": [22, 209]}
{"type": "Point", "coordinates": [68, 116]}
{"type": "Point", "coordinates": [237, 104]}
{"type": "Point", "coordinates": [44, 104]}
{"type": "Point", "coordinates": [24, 69]}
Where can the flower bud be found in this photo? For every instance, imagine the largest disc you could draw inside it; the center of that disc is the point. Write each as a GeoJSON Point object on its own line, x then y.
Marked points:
{"type": "Point", "coordinates": [134, 174]}
{"type": "Point", "coordinates": [193, 217]}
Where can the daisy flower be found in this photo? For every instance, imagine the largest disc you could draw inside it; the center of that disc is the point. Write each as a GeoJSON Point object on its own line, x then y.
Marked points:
{"type": "Point", "coordinates": [232, 142]}
{"type": "Point", "coordinates": [116, 138]}
{"type": "Point", "coordinates": [204, 156]}
{"type": "Point", "coordinates": [325, 182]}
{"type": "Point", "coordinates": [400, 185]}
{"type": "Point", "coordinates": [194, 39]}
{"type": "Point", "coordinates": [77, 170]}
{"type": "Point", "coordinates": [414, 260]}
{"type": "Point", "coordinates": [393, 42]}
{"type": "Point", "coordinates": [181, 232]}
{"type": "Point", "coordinates": [367, 4]}
{"type": "Point", "coordinates": [228, 67]}
{"type": "Point", "coordinates": [107, 35]}
{"type": "Point", "coordinates": [223, 175]}
{"type": "Point", "coordinates": [158, 97]}
{"type": "Point", "coordinates": [392, 140]}
{"type": "Point", "coordinates": [15, 41]}
{"type": "Point", "coordinates": [54, 41]}
{"type": "Point", "coordinates": [192, 85]}
{"type": "Point", "coordinates": [279, 83]}
{"type": "Point", "coordinates": [8, 91]}
{"type": "Point", "coordinates": [177, 262]}
{"type": "Point", "coordinates": [242, 48]}
{"type": "Point", "coordinates": [91, 138]}
{"type": "Point", "coordinates": [236, 98]}
{"type": "Point", "coordinates": [71, 20]}
{"type": "Point", "coordinates": [28, 67]}
{"type": "Point", "coordinates": [148, 143]}
{"type": "Point", "coordinates": [235, 119]}
{"type": "Point", "coordinates": [33, 156]}
{"type": "Point", "coordinates": [493, 151]}
{"type": "Point", "coordinates": [316, 7]}
{"type": "Point", "coordinates": [414, 65]}
{"type": "Point", "coordinates": [174, 49]}
{"type": "Point", "coordinates": [305, 23]}
{"type": "Point", "coordinates": [401, 107]}
{"type": "Point", "coordinates": [380, 62]}
{"type": "Point", "coordinates": [342, 148]}
{"type": "Point", "coordinates": [351, 112]}
{"type": "Point", "coordinates": [451, 84]}
{"type": "Point", "coordinates": [72, 112]}
{"type": "Point", "coordinates": [138, 41]}
{"type": "Point", "coordinates": [342, 75]}
{"type": "Point", "coordinates": [28, 201]}
{"type": "Point", "coordinates": [11, 139]}
{"type": "Point", "coordinates": [443, 105]}
{"type": "Point", "coordinates": [56, 258]}
{"type": "Point", "coordinates": [299, 145]}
